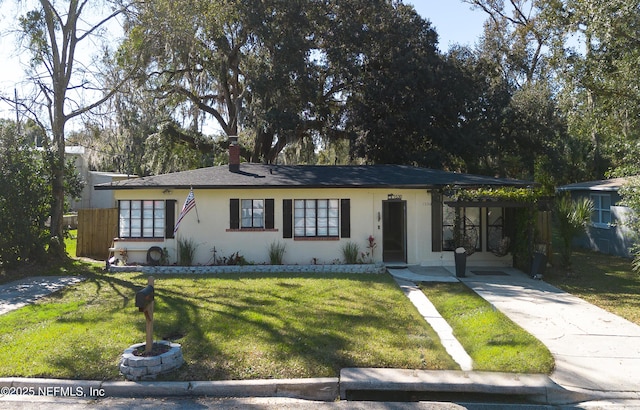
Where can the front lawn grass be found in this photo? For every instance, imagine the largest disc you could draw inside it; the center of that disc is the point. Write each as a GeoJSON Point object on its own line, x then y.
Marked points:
{"type": "Point", "coordinates": [230, 326]}
{"type": "Point", "coordinates": [604, 280]}
{"type": "Point", "coordinates": [492, 340]}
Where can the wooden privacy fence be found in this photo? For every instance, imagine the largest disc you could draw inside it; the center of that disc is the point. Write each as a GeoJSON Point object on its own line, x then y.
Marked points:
{"type": "Point", "coordinates": [96, 230]}
{"type": "Point", "coordinates": [543, 230]}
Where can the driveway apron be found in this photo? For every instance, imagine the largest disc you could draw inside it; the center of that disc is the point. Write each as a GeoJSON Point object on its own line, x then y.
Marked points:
{"type": "Point", "coordinates": [595, 351]}
{"type": "Point", "coordinates": [22, 292]}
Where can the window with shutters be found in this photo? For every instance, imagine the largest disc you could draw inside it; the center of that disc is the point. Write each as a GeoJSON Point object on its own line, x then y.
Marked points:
{"type": "Point", "coordinates": [316, 217]}
{"type": "Point", "coordinates": [251, 214]}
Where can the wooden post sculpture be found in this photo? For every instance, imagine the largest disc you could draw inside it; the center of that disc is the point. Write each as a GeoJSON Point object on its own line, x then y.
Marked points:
{"type": "Point", "coordinates": [145, 302]}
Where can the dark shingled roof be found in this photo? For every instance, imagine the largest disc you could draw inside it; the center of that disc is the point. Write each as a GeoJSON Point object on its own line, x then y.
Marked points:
{"type": "Point", "coordinates": [310, 176]}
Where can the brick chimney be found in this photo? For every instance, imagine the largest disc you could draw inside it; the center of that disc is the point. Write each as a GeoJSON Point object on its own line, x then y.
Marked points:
{"type": "Point", "coordinates": [234, 154]}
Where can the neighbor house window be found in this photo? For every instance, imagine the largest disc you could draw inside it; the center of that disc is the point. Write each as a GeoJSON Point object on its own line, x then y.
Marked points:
{"type": "Point", "coordinates": [601, 215]}
{"type": "Point", "coordinates": [142, 219]}
{"type": "Point", "coordinates": [316, 217]}
{"type": "Point", "coordinates": [470, 228]}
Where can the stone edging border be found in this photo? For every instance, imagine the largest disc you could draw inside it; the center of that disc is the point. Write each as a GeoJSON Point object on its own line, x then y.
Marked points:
{"type": "Point", "coordinates": [359, 268]}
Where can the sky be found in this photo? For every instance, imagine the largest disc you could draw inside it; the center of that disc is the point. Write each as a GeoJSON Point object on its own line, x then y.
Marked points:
{"type": "Point", "coordinates": [453, 20]}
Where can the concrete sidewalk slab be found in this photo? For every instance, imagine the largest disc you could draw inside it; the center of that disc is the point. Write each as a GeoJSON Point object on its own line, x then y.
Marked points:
{"type": "Point", "coordinates": [437, 322]}
{"type": "Point", "coordinates": [423, 274]}
{"type": "Point", "coordinates": [14, 295]}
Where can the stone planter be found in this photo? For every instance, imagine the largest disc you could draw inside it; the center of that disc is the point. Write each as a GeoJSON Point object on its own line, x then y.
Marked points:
{"type": "Point", "coordinates": [135, 367]}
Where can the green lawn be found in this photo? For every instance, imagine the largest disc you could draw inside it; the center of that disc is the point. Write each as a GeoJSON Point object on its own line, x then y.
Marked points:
{"type": "Point", "coordinates": [71, 242]}
{"type": "Point", "coordinates": [492, 340]}
{"type": "Point", "coordinates": [230, 327]}
{"type": "Point", "coordinates": [279, 326]}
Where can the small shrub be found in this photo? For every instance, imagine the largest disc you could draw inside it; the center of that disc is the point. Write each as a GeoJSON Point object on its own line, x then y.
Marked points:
{"type": "Point", "coordinates": [350, 252]}
{"type": "Point", "coordinates": [186, 252]}
{"type": "Point", "coordinates": [164, 258]}
{"type": "Point", "coordinates": [276, 252]}
{"type": "Point", "coordinates": [235, 259]}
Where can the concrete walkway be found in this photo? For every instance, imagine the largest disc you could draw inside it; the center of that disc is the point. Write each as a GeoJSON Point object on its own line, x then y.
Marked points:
{"type": "Point", "coordinates": [437, 322]}
{"type": "Point", "coordinates": [17, 294]}
{"type": "Point", "coordinates": [597, 353]}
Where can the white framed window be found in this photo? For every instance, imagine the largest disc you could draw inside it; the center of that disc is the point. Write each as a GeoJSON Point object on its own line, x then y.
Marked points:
{"type": "Point", "coordinates": [316, 217]}
{"type": "Point", "coordinates": [141, 219]}
{"type": "Point", "coordinates": [601, 215]}
{"type": "Point", "coordinates": [252, 211]}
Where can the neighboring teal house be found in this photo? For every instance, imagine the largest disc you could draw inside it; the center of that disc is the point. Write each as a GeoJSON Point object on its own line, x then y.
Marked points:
{"type": "Point", "coordinates": [608, 232]}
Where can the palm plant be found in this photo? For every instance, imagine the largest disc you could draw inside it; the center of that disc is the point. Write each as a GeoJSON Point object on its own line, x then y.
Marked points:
{"type": "Point", "coordinates": [573, 218]}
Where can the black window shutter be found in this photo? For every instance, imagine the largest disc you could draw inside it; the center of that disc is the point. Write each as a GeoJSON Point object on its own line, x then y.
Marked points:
{"type": "Point", "coordinates": [287, 216]}
{"type": "Point", "coordinates": [268, 214]}
{"type": "Point", "coordinates": [345, 218]}
{"type": "Point", "coordinates": [234, 214]}
{"type": "Point", "coordinates": [436, 221]}
{"type": "Point", "coordinates": [169, 218]}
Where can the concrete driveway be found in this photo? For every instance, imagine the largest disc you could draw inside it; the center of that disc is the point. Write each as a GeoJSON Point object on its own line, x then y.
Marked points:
{"type": "Point", "coordinates": [22, 292]}
{"type": "Point", "coordinates": [596, 352]}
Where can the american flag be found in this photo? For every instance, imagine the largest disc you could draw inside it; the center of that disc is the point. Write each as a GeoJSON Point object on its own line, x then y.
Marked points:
{"type": "Point", "coordinates": [189, 204]}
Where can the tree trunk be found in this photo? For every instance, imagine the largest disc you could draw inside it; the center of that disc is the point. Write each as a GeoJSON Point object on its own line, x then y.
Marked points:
{"type": "Point", "coordinates": [56, 245]}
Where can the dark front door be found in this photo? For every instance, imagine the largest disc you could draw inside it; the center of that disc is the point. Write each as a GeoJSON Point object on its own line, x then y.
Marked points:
{"type": "Point", "coordinates": [394, 231]}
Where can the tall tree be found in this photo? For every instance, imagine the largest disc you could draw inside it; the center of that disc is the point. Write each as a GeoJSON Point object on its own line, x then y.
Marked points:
{"type": "Point", "coordinates": [597, 50]}
{"type": "Point", "coordinates": [517, 109]}
{"type": "Point", "coordinates": [395, 109]}
{"type": "Point", "coordinates": [284, 71]}
{"type": "Point", "coordinates": [24, 193]}
{"type": "Point", "coordinates": [65, 88]}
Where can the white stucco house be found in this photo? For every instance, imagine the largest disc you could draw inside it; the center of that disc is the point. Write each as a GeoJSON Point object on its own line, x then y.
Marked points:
{"type": "Point", "coordinates": [312, 210]}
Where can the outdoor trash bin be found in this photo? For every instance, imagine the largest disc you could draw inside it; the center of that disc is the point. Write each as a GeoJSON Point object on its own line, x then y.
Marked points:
{"type": "Point", "coordinates": [461, 262]}
{"type": "Point", "coordinates": [538, 265]}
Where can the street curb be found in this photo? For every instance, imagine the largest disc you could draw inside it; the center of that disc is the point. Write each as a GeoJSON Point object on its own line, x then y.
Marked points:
{"type": "Point", "coordinates": [537, 388]}
{"type": "Point", "coordinates": [319, 389]}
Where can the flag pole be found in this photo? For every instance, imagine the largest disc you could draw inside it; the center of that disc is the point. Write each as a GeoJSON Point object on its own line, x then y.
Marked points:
{"type": "Point", "coordinates": [195, 205]}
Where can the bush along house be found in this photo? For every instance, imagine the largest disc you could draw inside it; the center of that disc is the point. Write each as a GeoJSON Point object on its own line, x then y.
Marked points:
{"type": "Point", "coordinates": [393, 214]}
